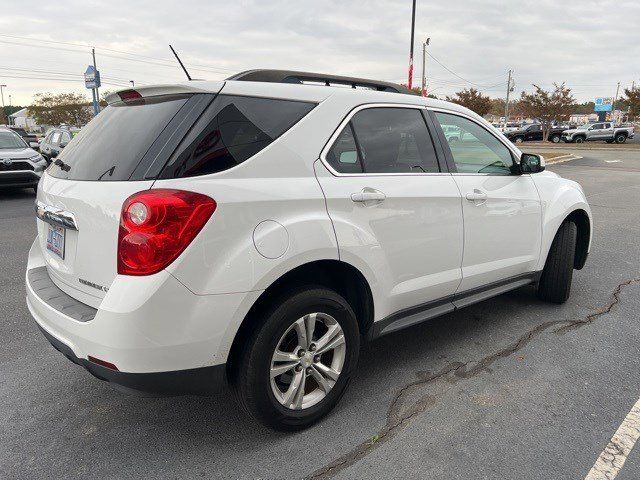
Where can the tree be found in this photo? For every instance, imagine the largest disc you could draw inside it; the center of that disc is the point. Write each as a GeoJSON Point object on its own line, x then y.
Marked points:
{"type": "Point", "coordinates": [632, 99]}
{"type": "Point", "coordinates": [68, 108]}
{"type": "Point", "coordinates": [547, 106]}
{"type": "Point", "coordinates": [473, 100]}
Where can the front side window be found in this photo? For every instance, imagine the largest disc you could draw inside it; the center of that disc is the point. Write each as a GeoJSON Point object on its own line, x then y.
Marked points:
{"type": "Point", "coordinates": [232, 130]}
{"type": "Point", "coordinates": [475, 150]}
{"type": "Point", "coordinates": [394, 140]}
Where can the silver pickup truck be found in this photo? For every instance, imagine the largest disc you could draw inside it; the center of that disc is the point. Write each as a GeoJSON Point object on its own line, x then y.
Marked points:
{"type": "Point", "coordinates": [601, 131]}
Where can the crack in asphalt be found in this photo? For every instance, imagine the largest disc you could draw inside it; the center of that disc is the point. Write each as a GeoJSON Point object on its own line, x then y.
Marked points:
{"type": "Point", "coordinates": [398, 418]}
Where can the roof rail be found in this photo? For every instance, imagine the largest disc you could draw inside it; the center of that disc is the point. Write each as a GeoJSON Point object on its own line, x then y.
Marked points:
{"type": "Point", "coordinates": [289, 76]}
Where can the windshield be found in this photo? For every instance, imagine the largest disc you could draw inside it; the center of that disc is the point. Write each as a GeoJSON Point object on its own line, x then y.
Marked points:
{"type": "Point", "coordinates": [11, 140]}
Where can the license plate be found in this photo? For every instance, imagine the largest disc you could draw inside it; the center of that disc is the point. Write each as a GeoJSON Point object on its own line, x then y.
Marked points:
{"type": "Point", "coordinates": [55, 240]}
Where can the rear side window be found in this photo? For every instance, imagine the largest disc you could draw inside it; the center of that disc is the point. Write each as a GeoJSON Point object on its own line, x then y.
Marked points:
{"type": "Point", "coordinates": [343, 156]}
{"type": "Point", "coordinates": [232, 130]}
{"type": "Point", "coordinates": [394, 140]}
{"type": "Point", "coordinates": [111, 145]}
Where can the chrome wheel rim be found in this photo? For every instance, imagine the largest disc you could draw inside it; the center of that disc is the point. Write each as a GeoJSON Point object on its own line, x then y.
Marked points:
{"type": "Point", "coordinates": [307, 361]}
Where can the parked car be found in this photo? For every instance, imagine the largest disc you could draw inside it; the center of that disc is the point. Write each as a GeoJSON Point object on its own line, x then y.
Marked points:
{"type": "Point", "coordinates": [54, 141]}
{"type": "Point", "coordinates": [20, 165]}
{"type": "Point", "coordinates": [30, 138]}
{"type": "Point", "coordinates": [256, 232]}
{"type": "Point", "coordinates": [600, 131]}
{"type": "Point", "coordinates": [534, 132]}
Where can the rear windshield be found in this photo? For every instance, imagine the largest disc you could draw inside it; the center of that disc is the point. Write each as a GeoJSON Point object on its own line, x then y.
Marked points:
{"type": "Point", "coordinates": [232, 130]}
{"type": "Point", "coordinates": [111, 145]}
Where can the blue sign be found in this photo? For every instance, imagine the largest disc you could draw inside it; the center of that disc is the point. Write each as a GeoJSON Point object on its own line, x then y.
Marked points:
{"type": "Point", "coordinates": [603, 104]}
{"type": "Point", "coordinates": [91, 77]}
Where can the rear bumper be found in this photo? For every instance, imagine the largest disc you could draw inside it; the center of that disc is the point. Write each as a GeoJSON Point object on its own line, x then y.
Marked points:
{"type": "Point", "coordinates": [160, 336]}
{"type": "Point", "coordinates": [196, 381]}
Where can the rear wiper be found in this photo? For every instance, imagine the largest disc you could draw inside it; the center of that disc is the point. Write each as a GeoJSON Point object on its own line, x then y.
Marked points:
{"type": "Point", "coordinates": [63, 166]}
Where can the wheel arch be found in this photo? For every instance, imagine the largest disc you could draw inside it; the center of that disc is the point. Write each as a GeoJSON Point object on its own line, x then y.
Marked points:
{"type": "Point", "coordinates": [581, 218]}
{"type": "Point", "coordinates": [337, 275]}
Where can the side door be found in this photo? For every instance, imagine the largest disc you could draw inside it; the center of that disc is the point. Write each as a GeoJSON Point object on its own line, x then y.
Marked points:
{"type": "Point", "coordinates": [534, 132]}
{"type": "Point", "coordinates": [595, 131]}
{"type": "Point", "coordinates": [607, 132]}
{"type": "Point", "coordinates": [501, 207]}
{"type": "Point", "coordinates": [396, 214]}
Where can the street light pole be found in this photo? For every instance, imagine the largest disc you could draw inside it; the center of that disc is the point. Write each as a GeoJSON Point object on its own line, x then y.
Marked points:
{"type": "Point", "coordinates": [506, 104]}
{"type": "Point", "coordinates": [133, 84]}
{"type": "Point", "coordinates": [2, 95]}
{"type": "Point", "coordinates": [413, 28]}
{"type": "Point", "coordinates": [424, 63]}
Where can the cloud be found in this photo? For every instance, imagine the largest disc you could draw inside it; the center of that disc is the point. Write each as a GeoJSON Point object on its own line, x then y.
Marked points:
{"type": "Point", "coordinates": [591, 44]}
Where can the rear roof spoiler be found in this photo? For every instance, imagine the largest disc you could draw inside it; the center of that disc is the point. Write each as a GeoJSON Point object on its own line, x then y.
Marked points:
{"type": "Point", "coordinates": [169, 89]}
{"type": "Point", "coordinates": [290, 76]}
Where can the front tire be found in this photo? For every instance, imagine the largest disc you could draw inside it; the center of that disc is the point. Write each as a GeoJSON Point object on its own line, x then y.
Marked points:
{"type": "Point", "coordinates": [579, 140]}
{"type": "Point", "coordinates": [555, 282]}
{"type": "Point", "coordinates": [518, 140]}
{"type": "Point", "coordinates": [555, 138]}
{"type": "Point", "coordinates": [296, 365]}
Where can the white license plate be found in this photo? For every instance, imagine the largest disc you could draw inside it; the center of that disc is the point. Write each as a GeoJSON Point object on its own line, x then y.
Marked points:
{"type": "Point", "coordinates": [55, 240]}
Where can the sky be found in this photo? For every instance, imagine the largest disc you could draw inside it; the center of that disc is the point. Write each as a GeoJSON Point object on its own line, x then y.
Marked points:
{"type": "Point", "coordinates": [590, 45]}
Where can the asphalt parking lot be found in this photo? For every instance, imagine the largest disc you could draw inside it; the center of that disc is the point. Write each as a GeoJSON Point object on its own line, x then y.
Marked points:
{"type": "Point", "coordinates": [508, 388]}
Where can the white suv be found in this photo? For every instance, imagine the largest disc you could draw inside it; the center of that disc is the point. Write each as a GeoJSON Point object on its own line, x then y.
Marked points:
{"type": "Point", "coordinates": [256, 231]}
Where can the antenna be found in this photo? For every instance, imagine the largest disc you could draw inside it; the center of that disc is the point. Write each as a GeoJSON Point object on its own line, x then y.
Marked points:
{"type": "Point", "coordinates": [180, 62]}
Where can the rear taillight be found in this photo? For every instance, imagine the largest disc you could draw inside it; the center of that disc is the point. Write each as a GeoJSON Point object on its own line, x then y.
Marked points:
{"type": "Point", "coordinates": [156, 226]}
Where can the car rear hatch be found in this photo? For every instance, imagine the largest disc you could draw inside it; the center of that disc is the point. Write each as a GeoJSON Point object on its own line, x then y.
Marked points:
{"type": "Point", "coordinates": [120, 152]}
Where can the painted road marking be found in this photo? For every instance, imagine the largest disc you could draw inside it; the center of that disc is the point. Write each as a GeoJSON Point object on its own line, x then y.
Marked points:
{"type": "Point", "coordinates": [613, 161]}
{"type": "Point", "coordinates": [615, 454]}
{"type": "Point", "coordinates": [562, 159]}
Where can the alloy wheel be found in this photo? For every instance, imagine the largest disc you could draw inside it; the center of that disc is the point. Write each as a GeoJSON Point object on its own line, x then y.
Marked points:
{"type": "Point", "coordinates": [307, 361]}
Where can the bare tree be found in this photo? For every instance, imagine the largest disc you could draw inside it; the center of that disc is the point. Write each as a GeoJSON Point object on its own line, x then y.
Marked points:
{"type": "Point", "coordinates": [473, 100]}
{"type": "Point", "coordinates": [547, 106]}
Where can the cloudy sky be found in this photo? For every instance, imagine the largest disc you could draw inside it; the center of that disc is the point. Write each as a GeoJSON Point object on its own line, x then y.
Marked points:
{"type": "Point", "coordinates": [591, 45]}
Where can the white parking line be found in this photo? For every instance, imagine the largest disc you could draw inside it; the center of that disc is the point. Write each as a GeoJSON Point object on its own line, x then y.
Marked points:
{"type": "Point", "coordinates": [615, 454]}
{"type": "Point", "coordinates": [613, 161]}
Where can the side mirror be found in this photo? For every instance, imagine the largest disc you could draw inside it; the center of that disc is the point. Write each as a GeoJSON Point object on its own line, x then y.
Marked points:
{"type": "Point", "coordinates": [53, 154]}
{"type": "Point", "coordinates": [531, 163]}
{"type": "Point", "coordinates": [63, 144]}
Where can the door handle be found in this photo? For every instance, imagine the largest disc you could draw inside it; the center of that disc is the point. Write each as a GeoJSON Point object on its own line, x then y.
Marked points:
{"type": "Point", "coordinates": [368, 196]}
{"type": "Point", "coordinates": [477, 196]}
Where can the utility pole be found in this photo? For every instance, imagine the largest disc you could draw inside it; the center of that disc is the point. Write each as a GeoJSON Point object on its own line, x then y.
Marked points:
{"type": "Point", "coordinates": [413, 27]}
{"type": "Point", "coordinates": [96, 96]}
{"type": "Point", "coordinates": [506, 104]}
{"type": "Point", "coordinates": [424, 63]}
{"type": "Point", "coordinates": [613, 105]}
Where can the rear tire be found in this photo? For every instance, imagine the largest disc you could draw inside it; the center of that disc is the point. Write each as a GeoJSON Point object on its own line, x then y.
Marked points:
{"type": "Point", "coordinates": [621, 138]}
{"type": "Point", "coordinates": [555, 282]}
{"type": "Point", "coordinates": [518, 140]}
{"type": "Point", "coordinates": [555, 138]}
{"type": "Point", "coordinates": [265, 396]}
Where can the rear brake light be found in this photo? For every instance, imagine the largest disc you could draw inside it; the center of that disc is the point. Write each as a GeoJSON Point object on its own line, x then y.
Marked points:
{"type": "Point", "coordinates": [129, 95]}
{"type": "Point", "coordinates": [156, 226]}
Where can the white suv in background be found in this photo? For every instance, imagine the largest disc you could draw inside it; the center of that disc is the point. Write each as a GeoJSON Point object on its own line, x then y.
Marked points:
{"type": "Point", "coordinates": [256, 231]}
